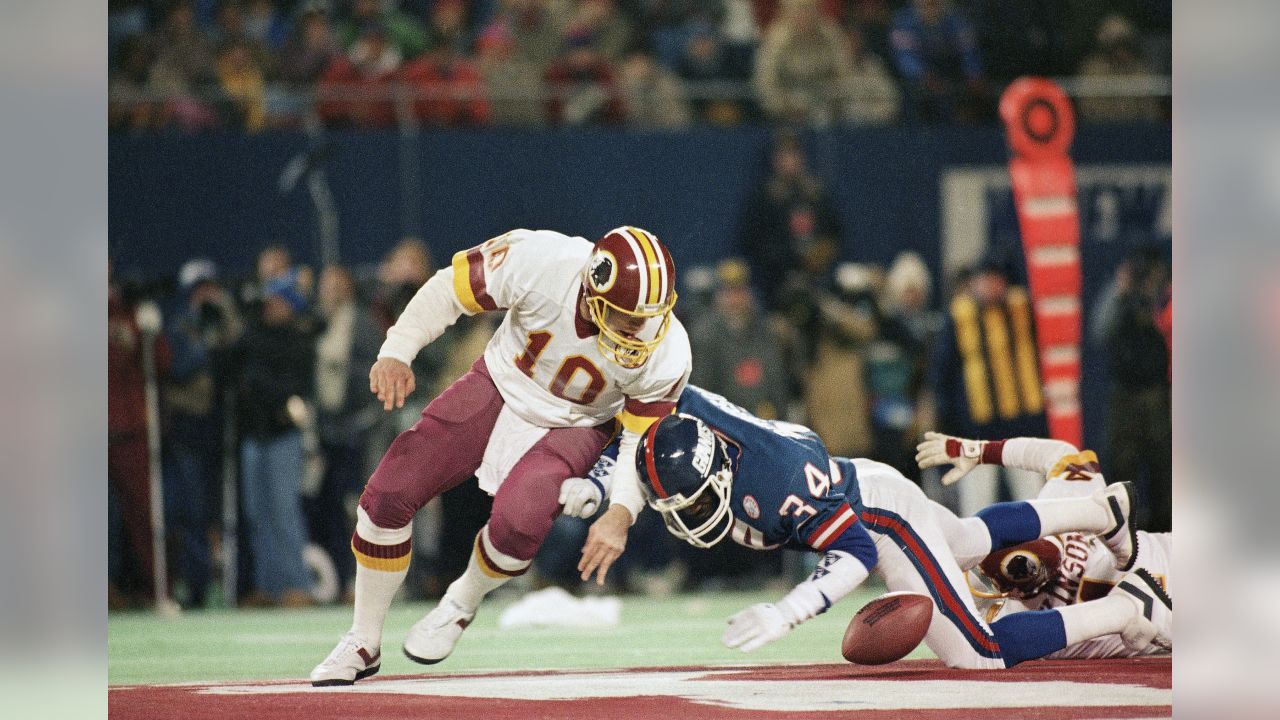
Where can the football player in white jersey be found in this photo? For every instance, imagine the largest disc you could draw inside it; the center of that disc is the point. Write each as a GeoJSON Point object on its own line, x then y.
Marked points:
{"type": "Point", "coordinates": [1058, 570]}
{"type": "Point", "coordinates": [589, 336]}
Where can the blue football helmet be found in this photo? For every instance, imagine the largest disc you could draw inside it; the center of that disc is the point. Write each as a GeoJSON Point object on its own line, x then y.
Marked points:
{"type": "Point", "coordinates": [687, 477]}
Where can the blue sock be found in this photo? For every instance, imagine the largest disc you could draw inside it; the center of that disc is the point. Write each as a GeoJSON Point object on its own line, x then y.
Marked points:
{"type": "Point", "coordinates": [1029, 635]}
{"type": "Point", "coordinates": [1010, 523]}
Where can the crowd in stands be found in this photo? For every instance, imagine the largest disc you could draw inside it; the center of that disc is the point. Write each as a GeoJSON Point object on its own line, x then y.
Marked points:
{"type": "Point", "coordinates": [264, 391]}
{"type": "Point", "coordinates": [255, 64]}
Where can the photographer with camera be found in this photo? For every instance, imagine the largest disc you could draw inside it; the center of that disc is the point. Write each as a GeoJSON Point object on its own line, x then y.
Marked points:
{"type": "Point", "coordinates": [199, 332]}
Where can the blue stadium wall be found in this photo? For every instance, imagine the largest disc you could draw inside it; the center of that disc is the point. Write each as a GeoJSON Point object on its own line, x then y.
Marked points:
{"type": "Point", "coordinates": [175, 197]}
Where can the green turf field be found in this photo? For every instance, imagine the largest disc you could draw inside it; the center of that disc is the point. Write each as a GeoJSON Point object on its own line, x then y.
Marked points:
{"type": "Point", "coordinates": [261, 644]}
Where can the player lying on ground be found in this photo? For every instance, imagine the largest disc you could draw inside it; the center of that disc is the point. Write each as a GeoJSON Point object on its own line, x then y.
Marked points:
{"type": "Point", "coordinates": [1059, 570]}
{"type": "Point", "coordinates": [716, 471]}
{"type": "Point", "coordinates": [588, 335]}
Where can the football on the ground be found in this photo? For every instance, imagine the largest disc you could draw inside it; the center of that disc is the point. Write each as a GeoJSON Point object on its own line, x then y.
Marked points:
{"type": "Point", "coordinates": [887, 628]}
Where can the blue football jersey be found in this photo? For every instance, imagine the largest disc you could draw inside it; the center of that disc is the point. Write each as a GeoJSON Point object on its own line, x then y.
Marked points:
{"type": "Point", "coordinates": [787, 492]}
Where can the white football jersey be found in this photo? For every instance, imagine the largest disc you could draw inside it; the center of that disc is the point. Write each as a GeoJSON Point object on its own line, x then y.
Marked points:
{"type": "Point", "coordinates": [1088, 572]}
{"type": "Point", "coordinates": [544, 357]}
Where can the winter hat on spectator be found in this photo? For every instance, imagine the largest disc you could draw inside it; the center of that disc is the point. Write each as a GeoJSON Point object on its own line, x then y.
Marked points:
{"type": "Point", "coordinates": [907, 272]}
{"type": "Point", "coordinates": [286, 288]}
{"type": "Point", "coordinates": [196, 271]}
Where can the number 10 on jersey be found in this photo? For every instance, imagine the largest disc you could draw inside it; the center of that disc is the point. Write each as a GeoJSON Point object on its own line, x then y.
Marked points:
{"type": "Point", "coordinates": [527, 361]}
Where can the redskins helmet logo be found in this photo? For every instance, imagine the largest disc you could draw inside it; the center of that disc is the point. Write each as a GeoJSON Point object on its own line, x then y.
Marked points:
{"type": "Point", "coordinates": [603, 271]}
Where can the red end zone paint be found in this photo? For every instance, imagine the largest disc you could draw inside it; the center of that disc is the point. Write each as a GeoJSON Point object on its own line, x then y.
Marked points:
{"type": "Point", "coordinates": [916, 690]}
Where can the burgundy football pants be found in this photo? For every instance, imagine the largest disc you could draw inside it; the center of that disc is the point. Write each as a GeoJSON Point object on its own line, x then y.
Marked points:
{"type": "Point", "coordinates": [446, 446]}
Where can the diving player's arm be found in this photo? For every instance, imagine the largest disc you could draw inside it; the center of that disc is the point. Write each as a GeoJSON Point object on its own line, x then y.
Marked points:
{"type": "Point", "coordinates": [1039, 455]}
{"type": "Point", "coordinates": [849, 553]}
{"type": "Point", "coordinates": [581, 497]}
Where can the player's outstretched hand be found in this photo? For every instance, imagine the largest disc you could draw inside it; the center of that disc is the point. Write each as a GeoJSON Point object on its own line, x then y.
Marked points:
{"type": "Point", "coordinates": [606, 540]}
{"type": "Point", "coordinates": [759, 624]}
{"type": "Point", "coordinates": [392, 381]}
{"type": "Point", "coordinates": [938, 449]}
{"type": "Point", "coordinates": [580, 497]}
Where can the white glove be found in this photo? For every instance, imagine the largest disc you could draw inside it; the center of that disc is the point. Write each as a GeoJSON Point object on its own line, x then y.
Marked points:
{"type": "Point", "coordinates": [581, 497]}
{"type": "Point", "coordinates": [963, 455]}
{"type": "Point", "coordinates": [759, 624]}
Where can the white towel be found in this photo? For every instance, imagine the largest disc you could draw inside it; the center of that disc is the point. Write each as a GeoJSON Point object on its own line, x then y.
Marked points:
{"type": "Point", "coordinates": [554, 607]}
{"type": "Point", "coordinates": [511, 439]}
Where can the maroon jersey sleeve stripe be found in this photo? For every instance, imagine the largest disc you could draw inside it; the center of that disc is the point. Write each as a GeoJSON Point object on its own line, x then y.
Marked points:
{"type": "Point", "coordinates": [475, 275]}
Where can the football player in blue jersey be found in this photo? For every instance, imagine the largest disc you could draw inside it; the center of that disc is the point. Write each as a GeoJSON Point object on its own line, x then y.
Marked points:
{"type": "Point", "coordinates": [713, 471]}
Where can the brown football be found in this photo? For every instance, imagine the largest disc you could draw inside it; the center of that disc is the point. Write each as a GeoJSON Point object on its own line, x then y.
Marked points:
{"type": "Point", "coordinates": [887, 628]}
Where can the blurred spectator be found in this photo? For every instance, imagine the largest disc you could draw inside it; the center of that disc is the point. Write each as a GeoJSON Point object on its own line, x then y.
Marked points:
{"type": "Point", "coordinates": [739, 355]}
{"type": "Point", "coordinates": [200, 334]}
{"type": "Point", "coordinates": [230, 30]}
{"type": "Point", "coordinates": [447, 89]}
{"type": "Point", "coordinates": [873, 95]}
{"type": "Point", "coordinates": [125, 19]}
{"type": "Point", "coordinates": [986, 376]}
{"type": "Point", "coordinates": [405, 269]}
{"type": "Point", "coordinates": [790, 226]}
{"type": "Point", "coordinates": [514, 83]}
{"type": "Point", "coordinates": [872, 19]}
{"type": "Point", "coordinates": [402, 31]}
{"type": "Point", "coordinates": [654, 97]}
{"type": "Point", "coordinates": [1126, 326]}
{"type": "Point", "coordinates": [264, 23]}
{"type": "Point", "coordinates": [184, 52]}
{"type": "Point", "coordinates": [896, 362]}
{"type": "Point", "coordinates": [936, 52]}
{"type": "Point", "coordinates": [346, 411]}
{"type": "Point", "coordinates": [705, 63]}
{"type": "Point", "coordinates": [274, 367]}
{"type": "Point", "coordinates": [273, 261]}
{"type": "Point", "coordinates": [836, 396]}
{"type": "Point", "coordinates": [767, 12]}
{"type": "Point", "coordinates": [583, 86]}
{"type": "Point", "coordinates": [536, 26]}
{"type": "Point", "coordinates": [356, 89]}
{"type": "Point", "coordinates": [610, 28]}
{"type": "Point", "coordinates": [1017, 39]}
{"type": "Point", "coordinates": [741, 36]}
{"type": "Point", "coordinates": [1117, 54]}
{"type": "Point", "coordinates": [183, 71]}
{"type": "Point", "coordinates": [804, 70]}
{"type": "Point", "coordinates": [128, 470]}
{"type": "Point", "coordinates": [129, 103]}
{"type": "Point", "coordinates": [310, 50]}
{"type": "Point", "coordinates": [447, 24]}
{"type": "Point", "coordinates": [241, 80]}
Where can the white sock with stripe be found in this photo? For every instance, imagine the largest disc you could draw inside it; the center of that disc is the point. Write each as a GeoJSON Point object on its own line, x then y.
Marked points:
{"type": "Point", "coordinates": [1104, 616]}
{"type": "Point", "coordinates": [1070, 515]}
{"type": "Point", "coordinates": [382, 562]}
{"type": "Point", "coordinates": [487, 570]}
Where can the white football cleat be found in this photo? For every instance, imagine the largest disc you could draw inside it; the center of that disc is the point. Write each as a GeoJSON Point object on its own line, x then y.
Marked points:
{"type": "Point", "coordinates": [350, 661]}
{"type": "Point", "coordinates": [1152, 626]}
{"type": "Point", "coordinates": [1121, 538]}
{"type": "Point", "coordinates": [432, 638]}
